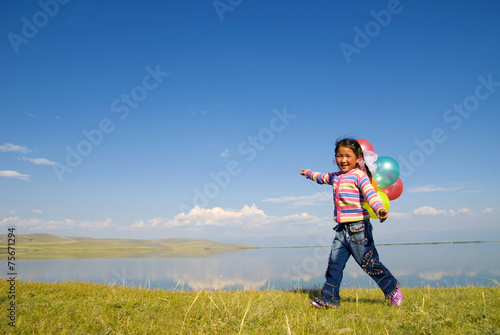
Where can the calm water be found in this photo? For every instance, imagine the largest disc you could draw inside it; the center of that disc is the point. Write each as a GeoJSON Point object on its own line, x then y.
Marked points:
{"type": "Point", "coordinates": [286, 268]}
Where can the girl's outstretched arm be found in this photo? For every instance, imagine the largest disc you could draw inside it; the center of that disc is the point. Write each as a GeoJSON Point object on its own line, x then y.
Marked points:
{"type": "Point", "coordinates": [320, 178]}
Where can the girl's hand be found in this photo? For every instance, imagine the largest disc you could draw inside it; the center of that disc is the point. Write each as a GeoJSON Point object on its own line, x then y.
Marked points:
{"type": "Point", "coordinates": [303, 172]}
{"type": "Point", "coordinates": [383, 215]}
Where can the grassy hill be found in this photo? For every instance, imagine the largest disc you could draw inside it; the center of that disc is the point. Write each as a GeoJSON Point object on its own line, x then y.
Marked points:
{"type": "Point", "coordinates": [47, 246]}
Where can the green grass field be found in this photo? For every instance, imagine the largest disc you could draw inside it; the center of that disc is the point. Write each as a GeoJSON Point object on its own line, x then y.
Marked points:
{"type": "Point", "coordinates": [85, 308]}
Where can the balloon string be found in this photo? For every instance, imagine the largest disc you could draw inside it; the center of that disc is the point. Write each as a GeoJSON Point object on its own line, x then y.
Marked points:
{"type": "Point", "coordinates": [329, 199]}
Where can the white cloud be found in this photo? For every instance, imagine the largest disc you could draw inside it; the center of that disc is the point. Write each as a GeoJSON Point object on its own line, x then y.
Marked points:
{"type": "Point", "coordinates": [213, 217]}
{"type": "Point", "coordinates": [438, 275]}
{"type": "Point", "coordinates": [225, 154]}
{"type": "Point", "coordinates": [9, 147]}
{"type": "Point", "coordinates": [433, 188]}
{"type": "Point", "coordinates": [249, 217]}
{"type": "Point", "coordinates": [9, 221]}
{"type": "Point", "coordinates": [305, 200]}
{"type": "Point", "coordinates": [427, 210]}
{"type": "Point", "coordinates": [33, 224]}
{"type": "Point", "coordinates": [137, 225]}
{"type": "Point", "coordinates": [38, 211]}
{"type": "Point", "coordinates": [39, 224]}
{"type": "Point", "coordinates": [95, 224]}
{"type": "Point", "coordinates": [14, 174]}
{"type": "Point", "coordinates": [38, 161]}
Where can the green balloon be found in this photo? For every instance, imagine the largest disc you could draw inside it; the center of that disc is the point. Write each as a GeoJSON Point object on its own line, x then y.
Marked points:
{"type": "Point", "coordinates": [387, 171]}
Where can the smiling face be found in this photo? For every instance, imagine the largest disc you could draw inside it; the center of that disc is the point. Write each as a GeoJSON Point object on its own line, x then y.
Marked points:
{"type": "Point", "coordinates": [346, 159]}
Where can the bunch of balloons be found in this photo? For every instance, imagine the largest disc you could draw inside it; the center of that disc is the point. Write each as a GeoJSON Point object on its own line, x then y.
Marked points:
{"type": "Point", "coordinates": [386, 180]}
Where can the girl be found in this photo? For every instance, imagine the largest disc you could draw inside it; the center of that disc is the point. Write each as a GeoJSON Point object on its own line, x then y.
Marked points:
{"type": "Point", "coordinates": [351, 188]}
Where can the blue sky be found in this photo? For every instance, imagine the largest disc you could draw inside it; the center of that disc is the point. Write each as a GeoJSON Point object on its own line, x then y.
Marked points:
{"type": "Point", "coordinates": [192, 119]}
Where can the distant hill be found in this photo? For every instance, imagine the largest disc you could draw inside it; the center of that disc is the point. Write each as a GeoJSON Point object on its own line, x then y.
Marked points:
{"type": "Point", "coordinates": [42, 245]}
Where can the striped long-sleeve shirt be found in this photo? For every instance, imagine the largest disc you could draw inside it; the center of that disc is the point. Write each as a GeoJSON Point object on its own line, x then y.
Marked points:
{"type": "Point", "coordinates": [350, 190]}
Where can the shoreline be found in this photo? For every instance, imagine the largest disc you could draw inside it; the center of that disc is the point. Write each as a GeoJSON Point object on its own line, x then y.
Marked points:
{"type": "Point", "coordinates": [387, 244]}
{"type": "Point", "coordinates": [46, 246]}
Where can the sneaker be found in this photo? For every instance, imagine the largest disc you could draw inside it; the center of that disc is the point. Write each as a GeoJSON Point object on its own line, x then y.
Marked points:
{"type": "Point", "coordinates": [397, 299]}
{"type": "Point", "coordinates": [320, 303]}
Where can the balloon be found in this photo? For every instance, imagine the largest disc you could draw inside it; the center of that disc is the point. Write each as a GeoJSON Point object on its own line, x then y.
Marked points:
{"type": "Point", "coordinates": [365, 145]}
{"type": "Point", "coordinates": [374, 184]}
{"type": "Point", "coordinates": [385, 201]}
{"type": "Point", "coordinates": [387, 171]}
{"type": "Point", "coordinates": [394, 191]}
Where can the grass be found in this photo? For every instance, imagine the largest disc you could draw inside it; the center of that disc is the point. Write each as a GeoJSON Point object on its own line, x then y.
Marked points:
{"type": "Point", "coordinates": [87, 308]}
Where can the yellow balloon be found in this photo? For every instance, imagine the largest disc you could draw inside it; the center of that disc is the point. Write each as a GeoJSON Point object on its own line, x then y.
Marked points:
{"type": "Point", "coordinates": [385, 201]}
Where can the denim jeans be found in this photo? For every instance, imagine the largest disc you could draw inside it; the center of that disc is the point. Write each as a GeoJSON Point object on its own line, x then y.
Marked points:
{"type": "Point", "coordinates": [356, 239]}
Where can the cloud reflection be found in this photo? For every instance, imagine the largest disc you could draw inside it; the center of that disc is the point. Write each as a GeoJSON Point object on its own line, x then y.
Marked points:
{"type": "Point", "coordinates": [280, 268]}
{"type": "Point", "coordinates": [438, 275]}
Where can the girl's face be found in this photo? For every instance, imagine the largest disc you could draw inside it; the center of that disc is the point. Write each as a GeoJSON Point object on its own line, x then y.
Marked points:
{"type": "Point", "coordinates": [346, 159]}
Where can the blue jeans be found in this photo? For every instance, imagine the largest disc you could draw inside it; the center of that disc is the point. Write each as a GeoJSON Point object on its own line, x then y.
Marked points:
{"type": "Point", "coordinates": [356, 239]}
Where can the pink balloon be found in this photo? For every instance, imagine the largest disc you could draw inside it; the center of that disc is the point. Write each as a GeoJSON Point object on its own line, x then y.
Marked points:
{"type": "Point", "coordinates": [365, 145]}
{"type": "Point", "coordinates": [395, 190]}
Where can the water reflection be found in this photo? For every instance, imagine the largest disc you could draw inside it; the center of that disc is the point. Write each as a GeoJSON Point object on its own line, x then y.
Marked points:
{"type": "Point", "coordinates": [281, 268]}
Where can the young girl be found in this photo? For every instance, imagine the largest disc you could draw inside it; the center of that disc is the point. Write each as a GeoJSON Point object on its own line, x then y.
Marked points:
{"type": "Point", "coordinates": [351, 188]}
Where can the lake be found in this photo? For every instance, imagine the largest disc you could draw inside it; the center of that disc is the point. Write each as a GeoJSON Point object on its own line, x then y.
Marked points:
{"type": "Point", "coordinates": [435, 265]}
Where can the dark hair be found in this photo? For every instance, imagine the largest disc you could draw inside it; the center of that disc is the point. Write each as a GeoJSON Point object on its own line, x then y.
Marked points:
{"type": "Point", "coordinates": [354, 145]}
